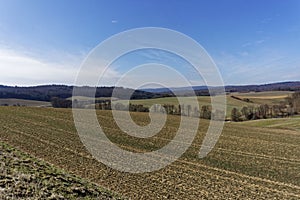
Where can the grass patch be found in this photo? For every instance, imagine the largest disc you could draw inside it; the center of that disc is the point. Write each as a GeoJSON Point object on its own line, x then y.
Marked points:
{"type": "Point", "coordinates": [25, 177]}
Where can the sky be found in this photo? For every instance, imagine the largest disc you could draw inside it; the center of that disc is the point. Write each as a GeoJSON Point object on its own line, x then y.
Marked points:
{"type": "Point", "coordinates": [251, 42]}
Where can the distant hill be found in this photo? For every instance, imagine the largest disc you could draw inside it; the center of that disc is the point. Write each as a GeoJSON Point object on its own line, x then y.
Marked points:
{"type": "Point", "coordinates": [47, 92]}
{"type": "Point", "coordinates": [281, 86]}
{"type": "Point", "coordinates": [203, 90]}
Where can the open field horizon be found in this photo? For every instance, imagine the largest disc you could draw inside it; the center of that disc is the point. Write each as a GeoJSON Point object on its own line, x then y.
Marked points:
{"type": "Point", "coordinates": [245, 99]}
{"type": "Point", "coordinates": [137, 99]}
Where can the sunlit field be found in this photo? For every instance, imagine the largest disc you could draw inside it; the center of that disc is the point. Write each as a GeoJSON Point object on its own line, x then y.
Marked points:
{"type": "Point", "coordinates": [254, 160]}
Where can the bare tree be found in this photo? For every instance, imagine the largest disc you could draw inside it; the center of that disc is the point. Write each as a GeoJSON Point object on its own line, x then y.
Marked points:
{"type": "Point", "coordinates": [235, 115]}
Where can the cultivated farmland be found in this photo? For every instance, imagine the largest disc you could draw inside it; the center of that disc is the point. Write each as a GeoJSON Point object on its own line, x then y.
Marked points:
{"type": "Point", "coordinates": [248, 162]}
{"type": "Point", "coordinates": [24, 177]}
{"type": "Point", "coordinates": [270, 98]}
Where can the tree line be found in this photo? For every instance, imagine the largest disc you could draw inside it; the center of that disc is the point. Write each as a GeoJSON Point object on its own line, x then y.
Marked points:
{"type": "Point", "coordinates": [205, 111]}
{"type": "Point", "coordinates": [289, 107]}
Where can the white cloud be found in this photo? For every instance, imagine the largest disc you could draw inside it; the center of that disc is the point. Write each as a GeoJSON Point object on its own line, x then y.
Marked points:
{"type": "Point", "coordinates": [153, 74]}
{"type": "Point", "coordinates": [246, 44]}
{"type": "Point", "coordinates": [18, 69]}
{"type": "Point", "coordinates": [259, 41]}
{"type": "Point", "coordinates": [266, 20]}
{"type": "Point", "coordinates": [259, 31]}
{"type": "Point", "coordinates": [258, 67]}
{"type": "Point", "coordinates": [21, 68]}
{"type": "Point", "coordinates": [25, 69]}
{"type": "Point", "coordinates": [244, 53]}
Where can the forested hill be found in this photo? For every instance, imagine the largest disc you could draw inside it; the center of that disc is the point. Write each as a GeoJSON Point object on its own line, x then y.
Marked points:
{"type": "Point", "coordinates": [281, 86]}
{"type": "Point", "coordinates": [203, 90]}
{"type": "Point", "coordinates": [47, 92]}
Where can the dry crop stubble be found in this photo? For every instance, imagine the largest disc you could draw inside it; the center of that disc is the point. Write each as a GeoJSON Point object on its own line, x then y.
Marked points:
{"type": "Point", "coordinates": [25, 177]}
{"type": "Point", "coordinates": [252, 163]}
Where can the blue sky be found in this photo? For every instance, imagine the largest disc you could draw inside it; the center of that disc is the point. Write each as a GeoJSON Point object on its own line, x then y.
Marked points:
{"type": "Point", "coordinates": [251, 42]}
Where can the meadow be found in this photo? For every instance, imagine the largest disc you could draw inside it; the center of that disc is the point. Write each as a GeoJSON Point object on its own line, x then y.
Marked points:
{"type": "Point", "coordinates": [252, 160]}
{"type": "Point", "coordinates": [23, 102]}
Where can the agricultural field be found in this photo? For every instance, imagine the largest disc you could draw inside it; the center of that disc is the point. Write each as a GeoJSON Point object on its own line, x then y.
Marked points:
{"type": "Point", "coordinates": [250, 161]}
{"type": "Point", "coordinates": [292, 123]}
{"type": "Point", "coordinates": [233, 100]}
{"type": "Point", "coordinates": [23, 102]}
{"type": "Point", "coordinates": [270, 98]}
{"type": "Point", "coordinates": [25, 177]}
{"type": "Point", "coordinates": [256, 98]}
